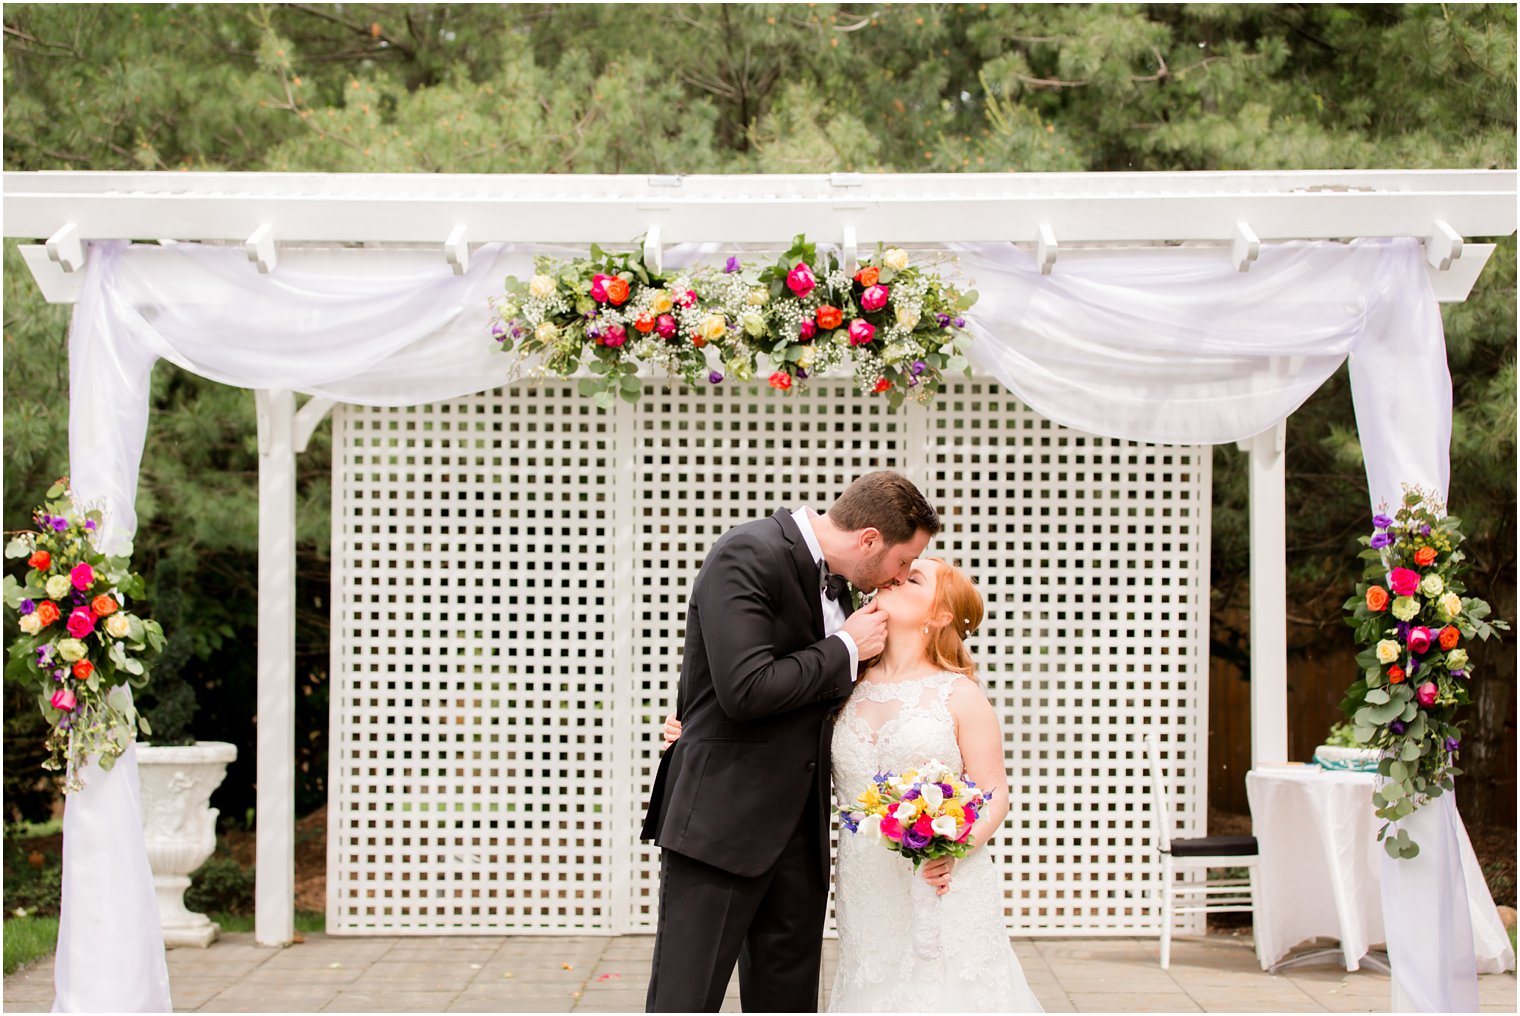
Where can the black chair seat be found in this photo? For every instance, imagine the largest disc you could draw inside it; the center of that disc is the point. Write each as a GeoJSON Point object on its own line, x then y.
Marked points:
{"type": "Point", "coordinates": [1215, 846]}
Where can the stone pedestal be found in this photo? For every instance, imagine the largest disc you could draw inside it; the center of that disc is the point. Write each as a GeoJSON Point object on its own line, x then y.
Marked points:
{"type": "Point", "coordinates": [179, 826]}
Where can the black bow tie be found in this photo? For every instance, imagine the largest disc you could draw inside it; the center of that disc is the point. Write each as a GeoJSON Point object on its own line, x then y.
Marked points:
{"type": "Point", "coordinates": [835, 587]}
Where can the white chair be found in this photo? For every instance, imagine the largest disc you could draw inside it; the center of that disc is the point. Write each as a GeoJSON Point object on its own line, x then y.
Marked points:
{"type": "Point", "coordinates": [1180, 856]}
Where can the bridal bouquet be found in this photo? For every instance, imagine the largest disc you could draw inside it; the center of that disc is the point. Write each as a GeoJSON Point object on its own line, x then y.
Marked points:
{"type": "Point", "coordinates": [1414, 621]}
{"type": "Point", "coordinates": [923, 814]}
{"type": "Point", "coordinates": [79, 645]}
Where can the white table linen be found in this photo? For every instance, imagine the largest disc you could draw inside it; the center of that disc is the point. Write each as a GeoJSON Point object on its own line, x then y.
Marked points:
{"type": "Point", "coordinates": [1323, 870]}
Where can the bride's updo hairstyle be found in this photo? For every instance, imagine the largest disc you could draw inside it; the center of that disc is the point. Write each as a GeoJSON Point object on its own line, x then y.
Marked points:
{"type": "Point", "coordinates": [956, 595]}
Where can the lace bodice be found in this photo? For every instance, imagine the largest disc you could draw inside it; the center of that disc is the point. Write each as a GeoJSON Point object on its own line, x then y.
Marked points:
{"type": "Point", "coordinates": [890, 728]}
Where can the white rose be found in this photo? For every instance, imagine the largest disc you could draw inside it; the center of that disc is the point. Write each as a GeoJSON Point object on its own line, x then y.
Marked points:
{"type": "Point", "coordinates": [58, 587]}
{"type": "Point", "coordinates": [1456, 659]}
{"type": "Point", "coordinates": [545, 332]}
{"type": "Point", "coordinates": [806, 357]}
{"type": "Point", "coordinates": [30, 624]}
{"type": "Point", "coordinates": [1387, 651]}
{"type": "Point", "coordinates": [871, 827]}
{"type": "Point", "coordinates": [72, 650]}
{"type": "Point", "coordinates": [944, 826]}
{"type": "Point", "coordinates": [117, 626]}
{"type": "Point", "coordinates": [1405, 607]}
{"type": "Point", "coordinates": [907, 316]}
{"type": "Point", "coordinates": [1431, 585]}
{"type": "Point", "coordinates": [753, 323]}
{"type": "Point", "coordinates": [905, 812]}
{"type": "Point", "coordinates": [933, 796]}
{"type": "Point", "coordinates": [541, 287]}
{"type": "Point", "coordinates": [895, 258]}
{"type": "Point", "coordinates": [1451, 605]}
{"type": "Point", "coordinates": [756, 297]}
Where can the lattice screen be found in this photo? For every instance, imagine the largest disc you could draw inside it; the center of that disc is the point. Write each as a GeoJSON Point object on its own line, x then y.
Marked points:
{"type": "Point", "coordinates": [509, 583]}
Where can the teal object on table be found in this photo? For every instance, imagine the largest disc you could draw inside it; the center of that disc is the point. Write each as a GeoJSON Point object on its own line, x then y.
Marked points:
{"type": "Point", "coordinates": [1349, 765]}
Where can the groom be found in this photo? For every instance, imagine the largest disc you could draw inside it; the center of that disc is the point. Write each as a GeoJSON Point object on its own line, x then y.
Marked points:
{"type": "Point", "coordinates": [741, 804]}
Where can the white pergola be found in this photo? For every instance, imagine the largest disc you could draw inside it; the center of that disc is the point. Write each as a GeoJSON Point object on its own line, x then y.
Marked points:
{"type": "Point", "coordinates": [288, 218]}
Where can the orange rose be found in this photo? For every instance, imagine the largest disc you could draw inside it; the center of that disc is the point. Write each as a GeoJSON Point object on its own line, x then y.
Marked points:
{"type": "Point", "coordinates": [47, 613]}
{"type": "Point", "coordinates": [1450, 636]}
{"type": "Point", "coordinates": [41, 560]}
{"type": "Point", "coordinates": [1395, 674]}
{"type": "Point", "coordinates": [698, 341]}
{"type": "Point", "coordinates": [882, 384]}
{"type": "Point", "coordinates": [829, 317]}
{"type": "Point", "coordinates": [644, 323]}
{"type": "Point", "coordinates": [1424, 556]}
{"type": "Point", "coordinates": [103, 605]}
{"type": "Point", "coordinates": [83, 669]}
{"type": "Point", "coordinates": [1377, 599]}
{"type": "Point", "coordinates": [781, 380]}
{"type": "Point", "coordinates": [617, 290]}
{"type": "Point", "coordinates": [868, 276]}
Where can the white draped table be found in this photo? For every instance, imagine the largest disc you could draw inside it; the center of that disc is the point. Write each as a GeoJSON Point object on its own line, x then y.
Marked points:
{"type": "Point", "coordinates": [1321, 868]}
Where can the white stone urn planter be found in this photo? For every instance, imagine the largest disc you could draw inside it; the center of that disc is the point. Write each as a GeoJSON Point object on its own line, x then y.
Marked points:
{"type": "Point", "coordinates": [179, 826]}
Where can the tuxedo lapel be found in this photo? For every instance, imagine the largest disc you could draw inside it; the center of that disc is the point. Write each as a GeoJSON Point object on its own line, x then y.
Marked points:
{"type": "Point", "coordinates": [806, 567]}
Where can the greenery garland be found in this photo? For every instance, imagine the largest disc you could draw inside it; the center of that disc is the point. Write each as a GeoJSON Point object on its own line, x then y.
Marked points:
{"type": "Point", "coordinates": [900, 324]}
{"type": "Point", "coordinates": [1413, 622]}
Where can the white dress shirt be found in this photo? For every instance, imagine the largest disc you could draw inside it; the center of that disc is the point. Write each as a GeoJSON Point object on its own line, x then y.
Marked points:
{"type": "Point", "coordinates": [833, 610]}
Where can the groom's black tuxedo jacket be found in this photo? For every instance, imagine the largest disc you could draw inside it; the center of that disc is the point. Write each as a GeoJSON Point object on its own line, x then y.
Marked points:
{"type": "Point", "coordinates": [758, 681]}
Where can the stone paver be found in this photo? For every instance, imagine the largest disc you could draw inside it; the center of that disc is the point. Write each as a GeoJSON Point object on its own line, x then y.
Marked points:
{"type": "Point", "coordinates": [332, 974]}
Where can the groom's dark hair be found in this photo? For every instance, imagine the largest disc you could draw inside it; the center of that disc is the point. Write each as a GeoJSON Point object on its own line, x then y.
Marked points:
{"type": "Point", "coordinates": [887, 502]}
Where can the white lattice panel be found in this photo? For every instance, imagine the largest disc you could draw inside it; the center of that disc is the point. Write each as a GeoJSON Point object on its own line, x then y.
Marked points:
{"type": "Point", "coordinates": [510, 580]}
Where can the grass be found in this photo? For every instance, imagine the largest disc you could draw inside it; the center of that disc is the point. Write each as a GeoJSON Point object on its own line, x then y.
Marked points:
{"type": "Point", "coordinates": [28, 939]}
{"type": "Point", "coordinates": [306, 921]}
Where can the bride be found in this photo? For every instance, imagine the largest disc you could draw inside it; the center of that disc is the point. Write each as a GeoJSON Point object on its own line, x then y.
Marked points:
{"type": "Point", "coordinates": [919, 700]}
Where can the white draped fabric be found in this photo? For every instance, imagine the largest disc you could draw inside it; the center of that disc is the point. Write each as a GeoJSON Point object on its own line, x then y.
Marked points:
{"type": "Point", "coordinates": [1180, 348]}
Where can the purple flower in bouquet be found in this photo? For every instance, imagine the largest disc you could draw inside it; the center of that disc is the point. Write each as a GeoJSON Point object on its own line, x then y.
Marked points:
{"type": "Point", "coordinates": [1381, 521]}
{"type": "Point", "coordinates": [498, 331]}
{"type": "Point", "coordinates": [1425, 530]}
{"type": "Point", "coordinates": [944, 320]}
{"type": "Point", "coordinates": [801, 374]}
{"type": "Point", "coordinates": [911, 794]}
{"type": "Point", "coordinates": [27, 606]}
{"type": "Point", "coordinates": [1397, 726]}
{"type": "Point", "coordinates": [960, 322]}
{"type": "Point", "coordinates": [89, 524]}
{"type": "Point", "coordinates": [1414, 666]}
{"type": "Point", "coordinates": [912, 837]}
{"type": "Point", "coordinates": [1380, 540]}
{"type": "Point", "coordinates": [732, 266]}
{"type": "Point", "coordinates": [60, 524]}
{"type": "Point", "coordinates": [1459, 673]}
{"type": "Point", "coordinates": [714, 377]}
{"type": "Point", "coordinates": [918, 367]}
{"type": "Point", "coordinates": [1452, 744]}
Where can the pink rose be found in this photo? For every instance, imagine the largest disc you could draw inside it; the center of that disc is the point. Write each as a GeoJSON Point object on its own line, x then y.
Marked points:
{"type": "Point", "coordinates": [964, 833]}
{"type": "Point", "coordinates": [891, 828]}
{"type": "Point", "coordinates": [687, 299]}
{"type": "Point", "coordinates": [81, 622]}
{"type": "Point", "coordinates": [923, 826]}
{"type": "Point", "coordinates": [874, 298]}
{"type": "Point", "coordinates": [83, 576]}
{"type": "Point", "coordinates": [1419, 639]}
{"type": "Point", "coordinates": [807, 329]}
{"type": "Point", "coordinates": [861, 332]}
{"type": "Point", "coordinates": [1404, 581]}
{"type": "Point", "coordinates": [1426, 693]}
{"type": "Point", "coordinates": [800, 280]}
{"type": "Point", "coordinates": [64, 699]}
{"type": "Point", "coordinates": [599, 287]}
{"type": "Point", "coordinates": [970, 814]}
{"type": "Point", "coordinates": [615, 336]}
{"type": "Point", "coordinates": [665, 326]}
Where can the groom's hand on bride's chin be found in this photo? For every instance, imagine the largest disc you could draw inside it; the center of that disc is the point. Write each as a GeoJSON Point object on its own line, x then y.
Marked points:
{"type": "Point", "coordinates": [868, 627]}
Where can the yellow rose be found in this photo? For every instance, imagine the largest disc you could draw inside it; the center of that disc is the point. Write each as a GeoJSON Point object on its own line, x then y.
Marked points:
{"type": "Point", "coordinates": [541, 287]}
{"type": "Point", "coordinates": [545, 332]}
{"type": "Point", "coordinates": [31, 624]}
{"type": "Point", "coordinates": [895, 258]}
{"type": "Point", "coordinates": [805, 360]}
{"type": "Point", "coordinates": [662, 302]}
{"type": "Point", "coordinates": [1451, 605]}
{"type": "Point", "coordinates": [907, 316]}
{"type": "Point", "coordinates": [117, 626]}
{"type": "Point", "coordinates": [1387, 651]}
{"type": "Point", "coordinates": [712, 327]}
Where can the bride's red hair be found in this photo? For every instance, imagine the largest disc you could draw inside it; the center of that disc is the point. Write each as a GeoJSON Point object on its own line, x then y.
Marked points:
{"type": "Point", "coordinates": [954, 594]}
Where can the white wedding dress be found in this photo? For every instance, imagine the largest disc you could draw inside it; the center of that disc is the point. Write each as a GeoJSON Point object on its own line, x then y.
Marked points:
{"type": "Point", "coordinates": [890, 728]}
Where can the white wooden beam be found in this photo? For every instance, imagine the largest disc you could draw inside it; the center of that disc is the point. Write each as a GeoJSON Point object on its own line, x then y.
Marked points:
{"type": "Point", "coordinates": [1443, 246]}
{"type": "Point", "coordinates": [57, 285]}
{"type": "Point", "coordinates": [308, 418]}
{"type": "Point", "coordinates": [654, 254]}
{"type": "Point", "coordinates": [1245, 248]}
{"type": "Point", "coordinates": [849, 251]}
{"type": "Point", "coordinates": [1268, 524]}
{"type": "Point", "coordinates": [65, 248]}
{"type": "Point", "coordinates": [457, 251]}
{"type": "Point", "coordinates": [260, 248]}
{"type": "Point", "coordinates": [1046, 249]}
{"type": "Point", "coordinates": [275, 747]}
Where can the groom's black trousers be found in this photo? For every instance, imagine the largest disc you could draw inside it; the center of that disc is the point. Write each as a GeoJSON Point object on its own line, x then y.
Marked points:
{"type": "Point", "coordinates": [772, 924]}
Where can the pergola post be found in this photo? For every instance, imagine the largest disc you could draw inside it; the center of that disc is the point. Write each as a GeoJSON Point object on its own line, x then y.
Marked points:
{"type": "Point", "coordinates": [1269, 596]}
{"type": "Point", "coordinates": [274, 899]}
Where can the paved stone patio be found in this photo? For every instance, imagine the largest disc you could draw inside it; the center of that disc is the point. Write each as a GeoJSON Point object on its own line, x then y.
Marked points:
{"type": "Point", "coordinates": [333, 974]}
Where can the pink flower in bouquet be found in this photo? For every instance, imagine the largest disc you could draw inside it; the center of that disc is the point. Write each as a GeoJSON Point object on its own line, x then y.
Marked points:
{"type": "Point", "coordinates": [891, 828]}
{"type": "Point", "coordinates": [1426, 693]}
{"type": "Point", "coordinates": [665, 326]}
{"type": "Point", "coordinates": [687, 299]}
{"type": "Point", "coordinates": [81, 622]}
{"type": "Point", "coordinates": [807, 329]}
{"type": "Point", "coordinates": [83, 576]}
{"type": "Point", "coordinates": [615, 336]}
{"type": "Point", "coordinates": [800, 280]}
{"type": "Point", "coordinates": [874, 298]}
{"type": "Point", "coordinates": [1419, 639]}
{"type": "Point", "coordinates": [861, 332]}
{"type": "Point", "coordinates": [1404, 581]}
{"type": "Point", "coordinates": [599, 287]}
{"type": "Point", "coordinates": [970, 814]}
{"type": "Point", "coordinates": [64, 699]}
{"type": "Point", "coordinates": [964, 833]}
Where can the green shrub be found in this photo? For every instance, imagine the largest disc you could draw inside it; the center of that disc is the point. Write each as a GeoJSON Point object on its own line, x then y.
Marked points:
{"type": "Point", "coordinates": [221, 884]}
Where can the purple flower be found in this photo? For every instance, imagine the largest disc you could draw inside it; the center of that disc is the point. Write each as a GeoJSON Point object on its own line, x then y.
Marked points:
{"type": "Point", "coordinates": [1380, 540]}
{"type": "Point", "coordinates": [498, 330]}
{"type": "Point", "coordinates": [844, 816]}
{"type": "Point", "coordinates": [44, 656]}
{"type": "Point", "coordinates": [714, 378]}
{"type": "Point", "coordinates": [27, 606]}
{"type": "Point", "coordinates": [1382, 521]}
{"type": "Point", "coordinates": [911, 795]}
{"type": "Point", "coordinates": [1424, 530]}
{"type": "Point", "coordinates": [1414, 666]}
{"type": "Point", "coordinates": [913, 838]}
{"type": "Point", "coordinates": [1452, 744]}
{"type": "Point", "coordinates": [1397, 727]}
{"type": "Point", "coordinates": [1402, 628]}
{"type": "Point", "coordinates": [944, 319]}
{"type": "Point", "coordinates": [60, 524]}
{"type": "Point", "coordinates": [960, 322]}
{"type": "Point", "coordinates": [733, 266]}
{"type": "Point", "coordinates": [801, 374]}
{"type": "Point", "coordinates": [918, 367]}
{"type": "Point", "coordinates": [912, 381]}
{"type": "Point", "coordinates": [89, 524]}
{"type": "Point", "coordinates": [947, 790]}
{"type": "Point", "coordinates": [1459, 673]}
{"type": "Point", "coordinates": [59, 673]}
